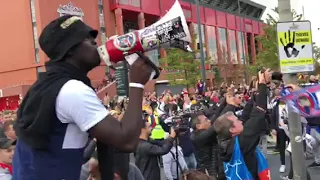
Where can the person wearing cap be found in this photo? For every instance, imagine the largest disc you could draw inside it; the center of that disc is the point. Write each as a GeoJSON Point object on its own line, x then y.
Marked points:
{"type": "Point", "coordinates": [61, 110]}
{"type": "Point", "coordinates": [6, 155]}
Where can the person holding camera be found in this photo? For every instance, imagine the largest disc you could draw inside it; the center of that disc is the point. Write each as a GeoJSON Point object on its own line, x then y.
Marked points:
{"type": "Point", "coordinates": [147, 152]}
{"type": "Point", "coordinates": [228, 127]}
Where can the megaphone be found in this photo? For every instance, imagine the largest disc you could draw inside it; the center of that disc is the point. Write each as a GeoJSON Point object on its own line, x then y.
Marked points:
{"type": "Point", "coordinates": [171, 31]}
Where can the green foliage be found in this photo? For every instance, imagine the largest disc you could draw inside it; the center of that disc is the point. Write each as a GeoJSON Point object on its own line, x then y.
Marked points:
{"type": "Point", "coordinates": [251, 69]}
{"type": "Point", "coordinates": [316, 55]}
{"type": "Point", "coordinates": [316, 52]}
{"type": "Point", "coordinates": [217, 75]}
{"type": "Point", "coordinates": [268, 57]}
{"type": "Point", "coordinates": [182, 67]}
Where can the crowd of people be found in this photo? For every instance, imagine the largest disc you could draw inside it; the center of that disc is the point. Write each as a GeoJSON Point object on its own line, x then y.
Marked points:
{"type": "Point", "coordinates": [62, 130]}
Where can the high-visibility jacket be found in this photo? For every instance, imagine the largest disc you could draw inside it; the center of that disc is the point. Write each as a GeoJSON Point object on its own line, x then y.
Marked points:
{"type": "Point", "coordinates": [157, 131]}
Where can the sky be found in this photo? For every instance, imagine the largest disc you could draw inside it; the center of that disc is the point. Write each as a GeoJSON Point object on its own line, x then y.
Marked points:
{"type": "Point", "coordinates": [311, 12]}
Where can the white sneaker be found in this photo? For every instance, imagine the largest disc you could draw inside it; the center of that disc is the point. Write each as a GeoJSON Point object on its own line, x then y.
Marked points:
{"type": "Point", "coordinates": [284, 178]}
{"type": "Point", "coordinates": [282, 168]}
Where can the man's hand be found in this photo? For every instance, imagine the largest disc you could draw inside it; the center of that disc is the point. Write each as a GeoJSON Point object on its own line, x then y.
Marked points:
{"type": "Point", "coordinates": [265, 76]}
{"type": "Point", "coordinates": [140, 71]}
{"type": "Point", "coordinates": [173, 133]}
{"type": "Point", "coordinates": [292, 87]}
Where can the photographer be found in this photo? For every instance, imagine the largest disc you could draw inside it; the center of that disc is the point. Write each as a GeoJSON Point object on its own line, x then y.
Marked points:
{"type": "Point", "coordinates": [147, 153]}
{"type": "Point", "coordinates": [228, 126]}
{"type": "Point", "coordinates": [205, 143]}
{"type": "Point", "coordinates": [183, 137]}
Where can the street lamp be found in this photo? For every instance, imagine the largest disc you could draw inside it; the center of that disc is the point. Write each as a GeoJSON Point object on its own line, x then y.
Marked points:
{"type": "Point", "coordinates": [243, 57]}
{"type": "Point", "coordinates": [203, 68]}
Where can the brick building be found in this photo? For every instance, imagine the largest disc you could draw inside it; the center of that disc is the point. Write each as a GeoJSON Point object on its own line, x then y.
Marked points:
{"type": "Point", "coordinates": [22, 60]}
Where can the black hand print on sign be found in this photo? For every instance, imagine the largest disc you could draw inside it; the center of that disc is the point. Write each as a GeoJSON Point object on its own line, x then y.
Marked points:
{"type": "Point", "coordinates": [288, 43]}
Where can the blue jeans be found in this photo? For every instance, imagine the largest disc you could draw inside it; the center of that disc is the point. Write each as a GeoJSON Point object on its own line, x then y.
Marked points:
{"type": "Point", "coordinates": [191, 161]}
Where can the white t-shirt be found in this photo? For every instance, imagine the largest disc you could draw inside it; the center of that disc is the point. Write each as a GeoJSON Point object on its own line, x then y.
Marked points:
{"type": "Point", "coordinates": [79, 106]}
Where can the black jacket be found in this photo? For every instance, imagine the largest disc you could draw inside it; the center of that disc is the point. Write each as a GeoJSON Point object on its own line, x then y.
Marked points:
{"type": "Point", "coordinates": [230, 107]}
{"type": "Point", "coordinates": [147, 157]}
{"type": "Point", "coordinates": [206, 151]}
{"type": "Point", "coordinates": [275, 116]}
{"type": "Point", "coordinates": [249, 138]}
{"type": "Point", "coordinates": [247, 110]}
{"type": "Point", "coordinates": [219, 109]}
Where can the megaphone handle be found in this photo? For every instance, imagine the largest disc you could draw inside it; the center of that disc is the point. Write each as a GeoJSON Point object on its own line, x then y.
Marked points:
{"type": "Point", "coordinates": [151, 64]}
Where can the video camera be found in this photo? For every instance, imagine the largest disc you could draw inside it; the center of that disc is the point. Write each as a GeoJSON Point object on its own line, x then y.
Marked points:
{"type": "Point", "coordinates": [181, 119]}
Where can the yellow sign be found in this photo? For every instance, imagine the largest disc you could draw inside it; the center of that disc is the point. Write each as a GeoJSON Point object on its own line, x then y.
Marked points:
{"type": "Point", "coordinates": [295, 46]}
{"type": "Point", "coordinates": [299, 37]}
{"type": "Point", "coordinates": [296, 62]}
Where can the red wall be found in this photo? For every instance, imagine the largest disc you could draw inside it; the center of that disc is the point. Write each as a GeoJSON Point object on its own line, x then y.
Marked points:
{"type": "Point", "coordinates": [208, 16]}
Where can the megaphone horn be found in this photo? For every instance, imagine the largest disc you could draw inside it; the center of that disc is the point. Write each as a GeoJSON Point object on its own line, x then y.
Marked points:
{"type": "Point", "coordinates": [170, 31]}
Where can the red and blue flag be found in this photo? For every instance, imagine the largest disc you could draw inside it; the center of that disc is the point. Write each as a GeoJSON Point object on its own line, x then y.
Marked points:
{"type": "Point", "coordinates": [236, 168]}
{"type": "Point", "coordinates": [263, 168]}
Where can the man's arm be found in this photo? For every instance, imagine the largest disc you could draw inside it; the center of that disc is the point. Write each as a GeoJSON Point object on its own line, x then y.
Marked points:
{"type": "Point", "coordinates": [77, 103]}
{"type": "Point", "coordinates": [84, 108]}
{"type": "Point", "coordinates": [204, 137]}
{"type": "Point", "coordinates": [122, 135]}
{"type": "Point", "coordinates": [257, 123]}
{"type": "Point", "coordinates": [155, 150]}
{"type": "Point", "coordinates": [247, 110]}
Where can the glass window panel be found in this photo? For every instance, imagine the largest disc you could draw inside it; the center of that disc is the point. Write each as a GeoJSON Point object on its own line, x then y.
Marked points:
{"type": "Point", "coordinates": [223, 45]}
{"type": "Point", "coordinates": [248, 28]}
{"type": "Point", "coordinates": [212, 44]}
{"type": "Point", "coordinates": [233, 46]}
{"type": "Point", "coordinates": [197, 38]}
{"type": "Point", "coordinates": [125, 2]}
{"type": "Point", "coordinates": [241, 47]}
{"type": "Point", "coordinates": [135, 3]}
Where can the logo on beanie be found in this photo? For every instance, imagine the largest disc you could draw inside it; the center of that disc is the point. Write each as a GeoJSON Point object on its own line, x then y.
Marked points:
{"type": "Point", "coordinates": [69, 22]}
{"type": "Point", "coordinates": [125, 42]}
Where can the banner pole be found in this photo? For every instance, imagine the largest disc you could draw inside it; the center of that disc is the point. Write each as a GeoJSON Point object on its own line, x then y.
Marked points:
{"type": "Point", "coordinates": [295, 128]}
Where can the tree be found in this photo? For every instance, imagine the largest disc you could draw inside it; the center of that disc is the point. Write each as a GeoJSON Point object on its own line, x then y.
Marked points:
{"type": "Point", "coordinates": [316, 52]}
{"type": "Point", "coordinates": [268, 57]}
{"type": "Point", "coordinates": [182, 67]}
{"type": "Point", "coordinates": [316, 55]}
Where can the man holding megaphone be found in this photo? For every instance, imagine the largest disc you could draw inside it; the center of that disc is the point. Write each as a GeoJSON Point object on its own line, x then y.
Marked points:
{"type": "Point", "coordinates": [62, 110]}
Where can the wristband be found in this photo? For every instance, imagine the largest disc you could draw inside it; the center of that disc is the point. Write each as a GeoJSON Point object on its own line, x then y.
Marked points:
{"type": "Point", "coordinates": [136, 85]}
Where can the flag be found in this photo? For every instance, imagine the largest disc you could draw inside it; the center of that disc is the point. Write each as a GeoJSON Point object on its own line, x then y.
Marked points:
{"type": "Point", "coordinates": [236, 169]}
{"type": "Point", "coordinates": [305, 101]}
{"type": "Point", "coordinates": [263, 168]}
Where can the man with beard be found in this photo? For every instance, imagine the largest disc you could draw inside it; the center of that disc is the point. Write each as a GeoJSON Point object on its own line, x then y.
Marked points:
{"type": "Point", "coordinates": [62, 109]}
